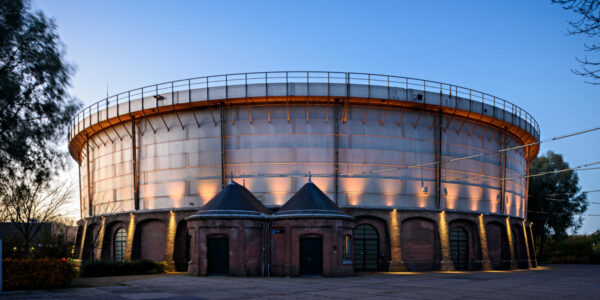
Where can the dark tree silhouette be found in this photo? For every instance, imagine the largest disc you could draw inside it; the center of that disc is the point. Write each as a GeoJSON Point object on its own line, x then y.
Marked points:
{"type": "Point", "coordinates": [35, 107]}
{"type": "Point", "coordinates": [556, 203]}
{"type": "Point", "coordinates": [588, 24]}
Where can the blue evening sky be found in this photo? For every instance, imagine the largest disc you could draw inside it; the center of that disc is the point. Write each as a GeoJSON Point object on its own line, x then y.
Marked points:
{"type": "Point", "coordinates": [517, 50]}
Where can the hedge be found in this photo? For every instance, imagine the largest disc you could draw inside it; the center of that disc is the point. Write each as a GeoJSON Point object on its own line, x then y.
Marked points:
{"type": "Point", "coordinates": [34, 274]}
{"type": "Point", "coordinates": [97, 268]}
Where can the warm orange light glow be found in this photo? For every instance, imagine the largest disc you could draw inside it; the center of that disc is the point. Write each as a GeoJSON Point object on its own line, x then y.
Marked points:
{"type": "Point", "coordinates": [486, 264]}
{"type": "Point", "coordinates": [279, 189]}
{"type": "Point", "coordinates": [390, 190]}
{"type": "Point", "coordinates": [353, 198]}
{"type": "Point", "coordinates": [206, 190]}
{"type": "Point", "coordinates": [148, 192]}
{"type": "Point", "coordinates": [510, 243]}
{"type": "Point", "coordinates": [508, 200]}
{"type": "Point", "coordinates": [100, 240]}
{"type": "Point", "coordinates": [474, 197]}
{"type": "Point", "coordinates": [444, 239]}
{"type": "Point", "coordinates": [170, 243]}
{"type": "Point", "coordinates": [176, 191]}
{"type": "Point", "coordinates": [129, 242]}
{"type": "Point", "coordinates": [83, 238]}
{"type": "Point", "coordinates": [451, 191]}
{"type": "Point", "coordinates": [526, 244]}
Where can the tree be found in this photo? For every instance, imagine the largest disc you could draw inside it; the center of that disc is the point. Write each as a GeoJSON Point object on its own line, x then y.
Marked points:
{"type": "Point", "coordinates": [555, 202]}
{"type": "Point", "coordinates": [588, 24]}
{"type": "Point", "coordinates": [31, 204]}
{"type": "Point", "coordinates": [35, 107]}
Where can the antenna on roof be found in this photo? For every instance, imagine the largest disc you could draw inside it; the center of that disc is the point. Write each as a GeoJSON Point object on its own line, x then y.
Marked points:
{"type": "Point", "coordinates": [309, 176]}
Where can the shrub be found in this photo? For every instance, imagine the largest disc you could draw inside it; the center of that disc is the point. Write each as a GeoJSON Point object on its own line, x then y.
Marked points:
{"type": "Point", "coordinates": [97, 268]}
{"type": "Point", "coordinates": [33, 274]}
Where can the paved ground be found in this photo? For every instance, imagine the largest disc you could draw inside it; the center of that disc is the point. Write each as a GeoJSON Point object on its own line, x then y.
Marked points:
{"type": "Point", "coordinates": [555, 282]}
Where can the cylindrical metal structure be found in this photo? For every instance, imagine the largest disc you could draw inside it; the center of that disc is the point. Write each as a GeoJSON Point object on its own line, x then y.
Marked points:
{"type": "Point", "coordinates": [369, 141]}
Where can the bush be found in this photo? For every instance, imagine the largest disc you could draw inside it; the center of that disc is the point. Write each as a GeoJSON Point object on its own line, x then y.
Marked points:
{"type": "Point", "coordinates": [576, 249]}
{"type": "Point", "coordinates": [97, 268]}
{"type": "Point", "coordinates": [34, 274]}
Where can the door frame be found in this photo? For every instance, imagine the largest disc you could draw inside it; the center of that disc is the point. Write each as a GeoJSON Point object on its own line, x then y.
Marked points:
{"type": "Point", "coordinates": [216, 237]}
{"type": "Point", "coordinates": [377, 254]}
{"type": "Point", "coordinates": [311, 237]}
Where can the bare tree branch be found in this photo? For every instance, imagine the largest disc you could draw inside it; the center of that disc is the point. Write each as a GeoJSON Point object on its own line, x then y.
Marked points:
{"type": "Point", "coordinates": [587, 25]}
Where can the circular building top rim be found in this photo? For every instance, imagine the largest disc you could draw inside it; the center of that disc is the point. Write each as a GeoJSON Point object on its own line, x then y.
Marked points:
{"type": "Point", "coordinates": [304, 83]}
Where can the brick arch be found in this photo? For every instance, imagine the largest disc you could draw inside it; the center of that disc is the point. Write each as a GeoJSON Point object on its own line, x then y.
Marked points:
{"type": "Point", "coordinates": [384, 237]}
{"type": "Point", "coordinates": [181, 248]}
{"type": "Point", "coordinates": [109, 233]}
{"type": "Point", "coordinates": [78, 240]}
{"type": "Point", "coordinates": [149, 240]}
{"type": "Point", "coordinates": [420, 243]}
{"type": "Point", "coordinates": [90, 242]}
{"type": "Point", "coordinates": [474, 241]}
{"type": "Point", "coordinates": [519, 246]}
{"type": "Point", "coordinates": [498, 248]}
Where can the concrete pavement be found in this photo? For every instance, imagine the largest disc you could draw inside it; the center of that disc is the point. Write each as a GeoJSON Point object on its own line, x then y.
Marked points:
{"type": "Point", "coordinates": [554, 282]}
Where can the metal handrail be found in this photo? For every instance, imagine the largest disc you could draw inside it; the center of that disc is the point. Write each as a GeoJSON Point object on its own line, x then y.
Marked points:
{"type": "Point", "coordinates": [308, 77]}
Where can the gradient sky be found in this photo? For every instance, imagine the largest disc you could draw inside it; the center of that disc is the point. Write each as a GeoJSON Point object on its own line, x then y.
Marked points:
{"type": "Point", "coordinates": [517, 50]}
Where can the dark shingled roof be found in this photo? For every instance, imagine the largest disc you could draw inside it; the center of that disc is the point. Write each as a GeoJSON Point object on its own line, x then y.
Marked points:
{"type": "Point", "coordinates": [310, 201]}
{"type": "Point", "coordinates": [233, 201]}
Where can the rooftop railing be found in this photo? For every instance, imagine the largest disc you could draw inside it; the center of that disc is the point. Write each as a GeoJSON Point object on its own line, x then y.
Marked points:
{"type": "Point", "coordinates": [287, 77]}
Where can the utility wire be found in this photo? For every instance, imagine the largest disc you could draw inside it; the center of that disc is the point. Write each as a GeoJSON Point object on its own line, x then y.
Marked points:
{"type": "Point", "coordinates": [516, 176]}
{"type": "Point", "coordinates": [584, 192]}
{"type": "Point", "coordinates": [478, 155]}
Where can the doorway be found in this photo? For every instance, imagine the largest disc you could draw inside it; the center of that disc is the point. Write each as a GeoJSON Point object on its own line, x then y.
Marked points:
{"type": "Point", "coordinates": [459, 248]}
{"type": "Point", "coordinates": [366, 248]}
{"type": "Point", "coordinates": [217, 255]}
{"type": "Point", "coordinates": [311, 256]}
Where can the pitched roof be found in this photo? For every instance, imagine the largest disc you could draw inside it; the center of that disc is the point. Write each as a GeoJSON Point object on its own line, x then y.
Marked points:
{"type": "Point", "coordinates": [233, 201]}
{"type": "Point", "coordinates": [310, 201]}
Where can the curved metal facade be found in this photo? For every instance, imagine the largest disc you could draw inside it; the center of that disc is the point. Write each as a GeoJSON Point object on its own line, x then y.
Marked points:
{"type": "Point", "coordinates": [366, 145]}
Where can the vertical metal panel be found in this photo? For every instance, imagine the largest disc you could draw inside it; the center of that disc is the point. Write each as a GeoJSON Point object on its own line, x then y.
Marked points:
{"type": "Point", "coordinates": [89, 185]}
{"type": "Point", "coordinates": [135, 167]}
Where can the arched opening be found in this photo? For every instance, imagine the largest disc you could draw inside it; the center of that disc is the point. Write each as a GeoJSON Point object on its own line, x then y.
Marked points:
{"type": "Point", "coordinates": [366, 248]}
{"type": "Point", "coordinates": [107, 252]}
{"type": "Point", "coordinates": [465, 243]}
{"type": "Point", "coordinates": [149, 240]}
{"type": "Point", "coordinates": [530, 241]}
{"type": "Point", "coordinates": [459, 248]}
{"type": "Point", "coordinates": [217, 256]}
{"type": "Point", "coordinates": [311, 255]}
{"type": "Point", "coordinates": [119, 242]}
{"type": "Point", "coordinates": [78, 241]}
{"type": "Point", "coordinates": [182, 250]}
{"type": "Point", "coordinates": [419, 240]}
{"type": "Point", "coordinates": [89, 242]}
{"type": "Point", "coordinates": [498, 248]}
{"type": "Point", "coordinates": [519, 246]}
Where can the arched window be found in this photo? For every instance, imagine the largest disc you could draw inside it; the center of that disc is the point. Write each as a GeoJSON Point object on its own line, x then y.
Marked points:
{"type": "Point", "coordinates": [119, 242]}
{"type": "Point", "coordinates": [347, 247]}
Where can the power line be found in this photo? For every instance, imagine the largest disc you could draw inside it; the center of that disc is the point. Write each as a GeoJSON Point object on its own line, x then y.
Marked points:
{"type": "Point", "coordinates": [479, 155]}
{"type": "Point", "coordinates": [584, 192]}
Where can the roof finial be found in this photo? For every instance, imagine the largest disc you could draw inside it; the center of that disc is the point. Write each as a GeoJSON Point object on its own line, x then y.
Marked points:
{"type": "Point", "coordinates": [244, 181]}
{"type": "Point", "coordinates": [231, 177]}
{"type": "Point", "coordinates": [309, 176]}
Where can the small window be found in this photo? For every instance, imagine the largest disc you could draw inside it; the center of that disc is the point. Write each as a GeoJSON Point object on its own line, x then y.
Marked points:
{"type": "Point", "coordinates": [347, 247]}
{"type": "Point", "coordinates": [119, 244]}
